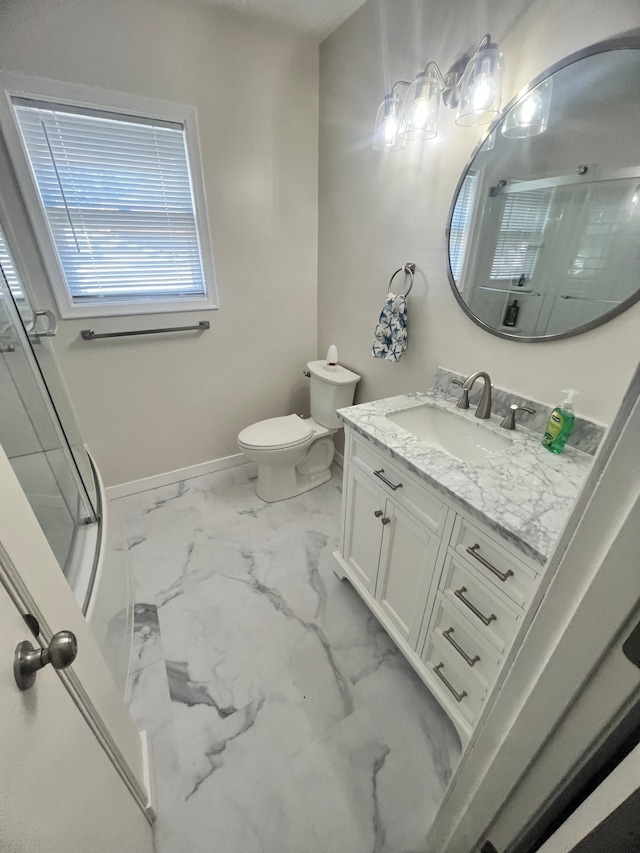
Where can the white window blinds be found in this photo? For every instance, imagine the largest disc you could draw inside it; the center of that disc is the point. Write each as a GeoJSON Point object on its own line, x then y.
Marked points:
{"type": "Point", "coordinates": [9, 271]}
{"type": "Point", "coordinates": [116, 191]}
{"type": "Point", "coordinates": [524, 217]}
{"type": "Point", "coordinates": [461, 225]}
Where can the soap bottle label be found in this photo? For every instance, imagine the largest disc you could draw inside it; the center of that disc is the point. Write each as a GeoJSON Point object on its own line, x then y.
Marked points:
{"type": "Point", "coordinates": [554, 427]}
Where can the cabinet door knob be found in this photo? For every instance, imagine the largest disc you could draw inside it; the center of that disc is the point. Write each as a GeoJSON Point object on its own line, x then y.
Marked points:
{"type": "Point", "coordinates": [378, 513]}
{"type": "Point", "coordinates": [385, 520]}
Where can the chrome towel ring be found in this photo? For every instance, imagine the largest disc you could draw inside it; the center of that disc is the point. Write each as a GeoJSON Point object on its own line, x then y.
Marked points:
{"type": "Point", "coordinates": [408, 269]}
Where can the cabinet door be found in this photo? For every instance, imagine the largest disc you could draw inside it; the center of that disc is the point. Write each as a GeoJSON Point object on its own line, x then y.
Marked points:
{"type": "Point", "coordinates": [363, 529]}
{"type": "Point", "coordinates": [407, 565]}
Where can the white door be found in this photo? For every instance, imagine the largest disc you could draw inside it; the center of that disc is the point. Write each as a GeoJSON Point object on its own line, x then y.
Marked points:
{"type": "Point", "coordinates": [71, 757]}
{"type": "Point", "coordinates": [59, 791]}
{"type": "Point", "coordinates": [407, 564]}
{"type": "Point", "coordinates": [363, 528]}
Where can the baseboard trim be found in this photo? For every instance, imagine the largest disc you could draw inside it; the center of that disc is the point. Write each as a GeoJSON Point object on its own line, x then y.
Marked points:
{"type": "Point", "coordinates": [135, 486]}
{"type": "Point", "coordinates": [147, 764]}
{"type": "Point", "coordinates": [339, 460]}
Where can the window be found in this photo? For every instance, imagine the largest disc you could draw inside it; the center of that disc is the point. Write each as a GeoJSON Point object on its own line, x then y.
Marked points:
{"type": "Point", "coordinates": [524, 217]}
{"type": "Point", "coordinates": [461, 225]}
{"type": "Point", "coordinates": [120, 213]}
{"type": "Point", "coordinates": [9, 271]}
{"type": "Point", "coordinates": [9, 277]}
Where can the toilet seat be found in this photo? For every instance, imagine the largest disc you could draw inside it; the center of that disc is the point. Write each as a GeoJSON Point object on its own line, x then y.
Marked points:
{"type": "Point", "coordinates": [276, 433]}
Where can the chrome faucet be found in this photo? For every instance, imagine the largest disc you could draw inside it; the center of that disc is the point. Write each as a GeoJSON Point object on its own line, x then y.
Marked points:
{"type": "Point", "coordinates": [509, 420]}
{"type": "Point", "coordinates": [484, 406]}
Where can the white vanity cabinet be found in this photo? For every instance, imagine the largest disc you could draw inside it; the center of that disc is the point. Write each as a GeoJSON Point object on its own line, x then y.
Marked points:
{"type": "Point", "coordinates": [450, 594]}
{"type": "Point", "coordinates": [391, 538]}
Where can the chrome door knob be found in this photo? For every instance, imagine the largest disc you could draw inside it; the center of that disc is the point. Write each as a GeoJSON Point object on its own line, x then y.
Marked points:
{"type": "Point", "coordinates": [27, 661]}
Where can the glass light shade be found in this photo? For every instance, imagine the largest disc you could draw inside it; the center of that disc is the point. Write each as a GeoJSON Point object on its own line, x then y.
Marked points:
{"type": "Point", "coordinates": [481, 88]}
{"type": "Point", "coordinates": [490, 141]}
{"type": "Point", "coordinates": [530, 116]}
{"type": "Point", "coordinates": [420, 119]}
{"type": "Point", "coordinates": [386, 135]}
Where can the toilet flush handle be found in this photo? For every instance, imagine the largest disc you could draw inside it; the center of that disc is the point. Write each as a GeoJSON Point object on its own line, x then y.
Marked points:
{"type": "Point", "coordinates": [306, 373]}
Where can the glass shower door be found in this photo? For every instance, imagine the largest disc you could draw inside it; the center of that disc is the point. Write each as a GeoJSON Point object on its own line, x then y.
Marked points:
{"type": "Point", "coordinates": [31, 432]}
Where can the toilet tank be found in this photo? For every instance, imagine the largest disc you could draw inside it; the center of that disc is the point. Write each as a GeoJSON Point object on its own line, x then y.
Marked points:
{"type": "Point", "coordinates": [331, 389]}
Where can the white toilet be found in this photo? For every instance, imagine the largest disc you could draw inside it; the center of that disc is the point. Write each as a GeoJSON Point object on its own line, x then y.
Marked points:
{"type": "Point", "coordinates": [294, 454]}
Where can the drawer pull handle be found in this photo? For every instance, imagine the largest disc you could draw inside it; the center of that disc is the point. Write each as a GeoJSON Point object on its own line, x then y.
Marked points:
{"type": "Point", "coordinates": [486, 620]}
{"type": "Point", "coordinates": [377, 513]}
{"type": "Point", "coordinates": [391, 485]}
{"type": "Point", "coordinates": [457, 696]}
{"type": "Point", "coordinates": [503, 576]}
{"type": "Point", "coordinates": [470, 660]}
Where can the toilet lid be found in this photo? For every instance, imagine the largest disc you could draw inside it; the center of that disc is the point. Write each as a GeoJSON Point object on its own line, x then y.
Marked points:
{"type": "Point", "coordinates": [276, 432]}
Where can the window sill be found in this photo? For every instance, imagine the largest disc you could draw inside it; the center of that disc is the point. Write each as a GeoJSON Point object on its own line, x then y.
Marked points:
{"type": "Point", "coordinates": [178, 306]}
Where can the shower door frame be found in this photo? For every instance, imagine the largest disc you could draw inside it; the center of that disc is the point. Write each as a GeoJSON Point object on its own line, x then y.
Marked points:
{"type": "Point", "coordinates": [31, 342]}
{"type": "Point", "coordinates": [37, 340]}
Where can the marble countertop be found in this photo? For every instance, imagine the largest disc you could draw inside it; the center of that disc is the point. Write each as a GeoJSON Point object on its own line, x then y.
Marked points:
{"type": "Point", "coordinates": [524, 493]}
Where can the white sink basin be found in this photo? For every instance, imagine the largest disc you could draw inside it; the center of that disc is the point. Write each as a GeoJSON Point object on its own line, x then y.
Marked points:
{"type": "Point", "coordinates": [457, 436]}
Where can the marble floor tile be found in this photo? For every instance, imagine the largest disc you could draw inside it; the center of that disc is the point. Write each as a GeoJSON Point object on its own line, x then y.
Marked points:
{"type": "Point", "coordinates": [282, 718]}
{"type": "Point", "coordinates": [147, 644]}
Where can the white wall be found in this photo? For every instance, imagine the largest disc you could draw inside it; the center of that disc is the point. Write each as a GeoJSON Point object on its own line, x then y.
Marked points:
{"type": "Point", "coordinates": [151, 405]}
{"type": "Point", "coordinates": [378, 211]}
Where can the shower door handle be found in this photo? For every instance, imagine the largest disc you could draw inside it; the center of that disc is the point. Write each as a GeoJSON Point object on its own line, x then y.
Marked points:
{"type": "Point", "coordinates": [52, 324]}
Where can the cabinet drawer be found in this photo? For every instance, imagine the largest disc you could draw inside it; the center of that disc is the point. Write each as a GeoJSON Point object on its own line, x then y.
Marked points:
{"type": "Point", "coordinates": [459, 688]}
{"type": "Point", "coordinates": [449, 630]}
{"type": "Point", "coordinates": [478, 604]}
{"type": "Point", "coordinates": [416, 497]}
{"type": "Point", "coordinates": [505, 571]}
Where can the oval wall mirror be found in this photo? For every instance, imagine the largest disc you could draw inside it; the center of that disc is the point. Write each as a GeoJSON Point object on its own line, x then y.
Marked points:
{"type": "Point", "coordinates": [543, 233]}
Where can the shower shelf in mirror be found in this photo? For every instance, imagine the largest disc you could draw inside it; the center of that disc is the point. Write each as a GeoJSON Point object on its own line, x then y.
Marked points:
{"type": "Point", "coordinates": [514, 291]}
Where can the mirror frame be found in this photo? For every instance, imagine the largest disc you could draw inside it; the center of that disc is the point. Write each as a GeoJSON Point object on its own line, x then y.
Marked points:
{"type": "Point", "coordinates": [626, 42]}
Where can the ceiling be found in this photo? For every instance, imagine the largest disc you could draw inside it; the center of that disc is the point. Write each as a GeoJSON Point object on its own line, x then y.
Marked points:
{"type": "Point", "coordinates": [316, 18]}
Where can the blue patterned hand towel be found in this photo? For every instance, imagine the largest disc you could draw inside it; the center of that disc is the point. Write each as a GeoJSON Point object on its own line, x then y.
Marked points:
{"type": "Point", "coordinates": [390, 338]}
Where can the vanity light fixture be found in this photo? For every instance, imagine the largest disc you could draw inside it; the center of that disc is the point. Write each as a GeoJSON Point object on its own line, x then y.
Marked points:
{"type": "Point", "coordinates": [490, 141]}
{"type": "Point", "coordinates": [420, 117]}
{"type": "Point", "coordinates": [530, 116]}
{"type": "Point", "coordinates": [480, 99]}
{"type": "Point", "coordinates": [472, 86]}
{"type": "Point", "coordinates": [386, 135]}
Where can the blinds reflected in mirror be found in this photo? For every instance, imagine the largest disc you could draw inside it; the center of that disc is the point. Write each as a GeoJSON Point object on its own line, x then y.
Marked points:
{"type": "Point", "coordinates": [461, 225]}
{"type": "Point", "coordinates": [520, 235]}
{"type": "Point", "coordinates": [9, 272]}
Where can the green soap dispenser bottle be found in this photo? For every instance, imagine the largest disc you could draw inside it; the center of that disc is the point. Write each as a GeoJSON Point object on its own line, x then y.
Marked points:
{"type": "Point", "coordinates": [560, 423]}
